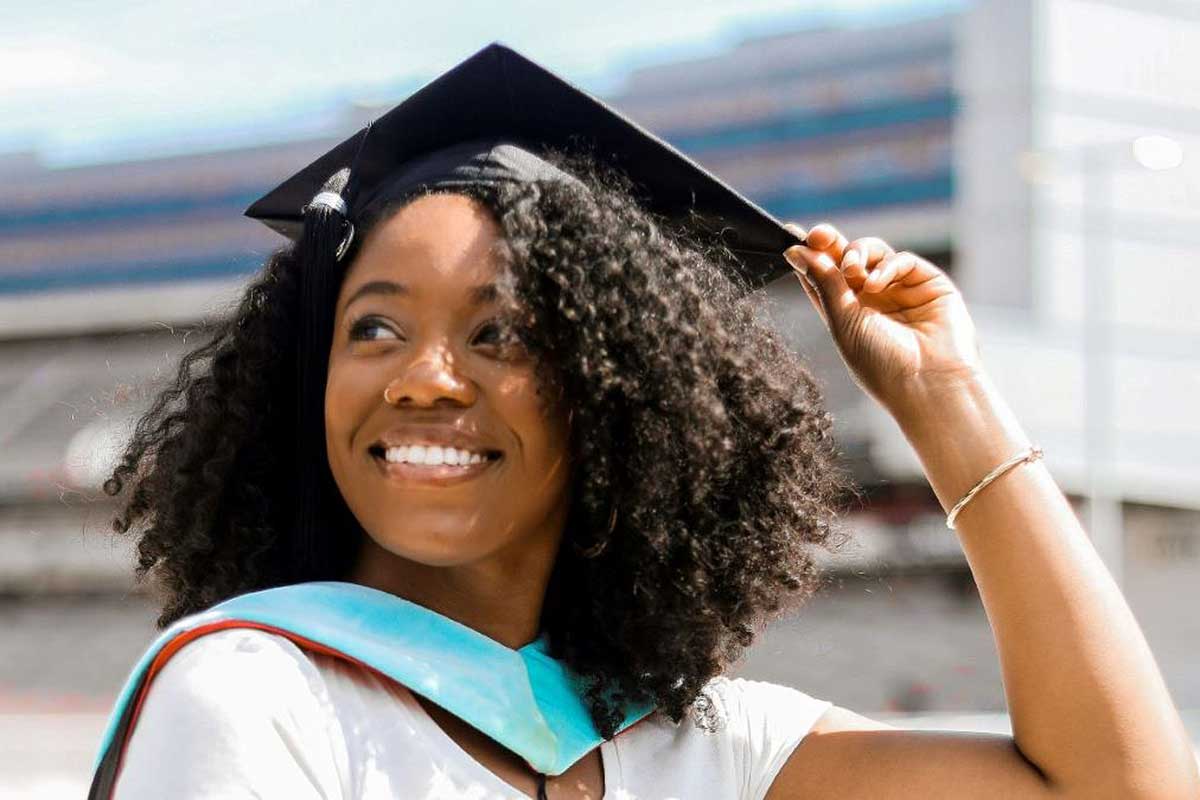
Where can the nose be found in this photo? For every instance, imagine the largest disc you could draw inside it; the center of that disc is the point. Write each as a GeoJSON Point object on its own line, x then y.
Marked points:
{"type": "Point", "coordinates": [430, 378]}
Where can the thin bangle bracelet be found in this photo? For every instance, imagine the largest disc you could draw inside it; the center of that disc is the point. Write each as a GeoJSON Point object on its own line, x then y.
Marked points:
{"type": "Point", "coordinates": [1032, 454]}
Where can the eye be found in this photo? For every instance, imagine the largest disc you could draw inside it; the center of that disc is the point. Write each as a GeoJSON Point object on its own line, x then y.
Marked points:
{"type": "Point", "coordinates": [371, 329]}
{"type": "Point", "coordinates": [497, 335]}
{"type": "Point", "coordinates": [488, 333]}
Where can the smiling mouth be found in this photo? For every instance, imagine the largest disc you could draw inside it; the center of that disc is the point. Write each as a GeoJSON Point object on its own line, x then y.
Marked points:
{"type": "Point", "coordinates": [400, 468]}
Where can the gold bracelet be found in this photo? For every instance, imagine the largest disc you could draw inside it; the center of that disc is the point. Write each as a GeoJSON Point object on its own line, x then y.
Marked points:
{"type": "Point", "coordinates": [1033, 454]}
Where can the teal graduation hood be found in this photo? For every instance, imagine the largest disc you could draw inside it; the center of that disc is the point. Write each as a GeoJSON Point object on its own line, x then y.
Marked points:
{"type": "Point", "coordinates": [523, 699]}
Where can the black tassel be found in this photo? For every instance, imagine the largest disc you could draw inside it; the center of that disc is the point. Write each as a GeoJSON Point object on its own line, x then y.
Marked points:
{"type": "Point", "coordinates": [324, 230]}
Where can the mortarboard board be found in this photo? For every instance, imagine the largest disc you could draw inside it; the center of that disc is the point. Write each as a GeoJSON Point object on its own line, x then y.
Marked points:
{"type": "Point", "coordinates": [448, 131]}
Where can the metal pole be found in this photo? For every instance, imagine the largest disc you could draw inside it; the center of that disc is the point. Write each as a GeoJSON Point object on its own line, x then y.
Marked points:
{"type": "Point", "coordinates": [1104, 515]}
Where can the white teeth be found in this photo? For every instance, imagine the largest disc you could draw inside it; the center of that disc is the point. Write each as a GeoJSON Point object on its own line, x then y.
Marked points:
{"type": "Point", "coordinates": [432, 455]}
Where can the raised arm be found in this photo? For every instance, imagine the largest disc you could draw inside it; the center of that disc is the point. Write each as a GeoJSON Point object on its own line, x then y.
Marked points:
{"type": "Point", "coordinates": [1091, 715]}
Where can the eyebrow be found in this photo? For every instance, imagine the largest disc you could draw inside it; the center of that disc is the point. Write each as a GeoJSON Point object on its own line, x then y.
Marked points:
{"type": "Point", "coordinates": [479, 295]}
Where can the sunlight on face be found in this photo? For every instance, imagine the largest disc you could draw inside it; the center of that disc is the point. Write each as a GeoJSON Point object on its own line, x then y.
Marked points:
{"type": "Point", "coordinates": [416, 316]}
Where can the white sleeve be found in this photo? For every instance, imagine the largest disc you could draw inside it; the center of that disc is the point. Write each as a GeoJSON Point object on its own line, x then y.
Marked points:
{"type": "Point", "coordinates": [776, 719]}
{"type": "Point", "coordinates": [238, 713]}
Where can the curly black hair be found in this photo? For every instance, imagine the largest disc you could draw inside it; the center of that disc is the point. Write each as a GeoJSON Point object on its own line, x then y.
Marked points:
{"type": "Point", "coordinates": [706, 470]}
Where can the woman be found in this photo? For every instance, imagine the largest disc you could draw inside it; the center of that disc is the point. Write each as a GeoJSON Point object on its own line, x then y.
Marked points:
{"type": "Point", "coordinates": [549, 416]}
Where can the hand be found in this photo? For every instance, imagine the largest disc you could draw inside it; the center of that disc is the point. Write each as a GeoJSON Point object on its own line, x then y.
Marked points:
{"type": "Point", "coordinates": [898, 321]}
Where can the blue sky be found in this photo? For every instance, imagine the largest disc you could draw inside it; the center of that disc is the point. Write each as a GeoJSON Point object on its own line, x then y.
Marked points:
{"type": "Point", "coordinates": [91, 81]}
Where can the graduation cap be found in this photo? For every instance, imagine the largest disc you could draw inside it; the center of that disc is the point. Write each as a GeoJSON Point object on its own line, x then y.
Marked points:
{"type": "Point", "coordinates": [487, 119]}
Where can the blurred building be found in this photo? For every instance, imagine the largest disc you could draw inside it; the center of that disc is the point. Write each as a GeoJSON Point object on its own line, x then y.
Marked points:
{"type": "Point", "coordinates": [956, 136]}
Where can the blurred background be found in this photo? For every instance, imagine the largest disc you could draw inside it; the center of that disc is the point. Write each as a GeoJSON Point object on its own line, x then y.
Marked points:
{"type": "Point", "coordinates": [1045, 152]}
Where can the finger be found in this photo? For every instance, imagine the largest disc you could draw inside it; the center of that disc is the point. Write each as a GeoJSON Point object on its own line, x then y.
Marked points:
{"type": "Point", "coordinates": [865, 253]}
{"type": "Point", "coordinates": [852, 267]}
{"type": "Point", "coordinates": [896, 268]}
{"type": "Point", "coordinates": [829, 239]}
{"type": "Point", "coordinates": [826, 278]}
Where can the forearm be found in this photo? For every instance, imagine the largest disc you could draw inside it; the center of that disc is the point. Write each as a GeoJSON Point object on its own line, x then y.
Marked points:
{"type": "Point", "coordinates": [1087, 701]}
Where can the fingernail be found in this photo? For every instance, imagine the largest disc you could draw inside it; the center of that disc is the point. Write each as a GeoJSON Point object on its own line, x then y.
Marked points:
{"type": "Point", "coordinates": [796, 259]}
{"type": "Point", "coordinates": [826, 261]}
{"type": "Point", "coordinates": [850, 258]}
{"type": "Point", "coordinates": [825, 229]}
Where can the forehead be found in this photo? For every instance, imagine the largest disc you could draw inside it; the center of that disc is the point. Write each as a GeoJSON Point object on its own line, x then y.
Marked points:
{"type": "Point", "coordinates": [438, 243]}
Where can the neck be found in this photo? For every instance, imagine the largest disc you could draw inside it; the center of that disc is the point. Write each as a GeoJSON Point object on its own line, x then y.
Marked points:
{"type": "Point", "coordinates": [501, 597]}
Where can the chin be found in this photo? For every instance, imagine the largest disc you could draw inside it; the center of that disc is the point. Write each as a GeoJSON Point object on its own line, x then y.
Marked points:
{"type": "Point", "coordinates": [444, 545]}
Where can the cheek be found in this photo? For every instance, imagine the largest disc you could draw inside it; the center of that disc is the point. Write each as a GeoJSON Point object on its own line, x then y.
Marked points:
{"type": "Point", "coordinates": [541, 427]}
{"type": "Point", "coordinates": [350, 394]}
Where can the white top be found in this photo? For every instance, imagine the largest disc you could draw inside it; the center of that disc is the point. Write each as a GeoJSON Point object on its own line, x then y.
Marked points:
{"type": "Point", "coordinates": [245, 713]}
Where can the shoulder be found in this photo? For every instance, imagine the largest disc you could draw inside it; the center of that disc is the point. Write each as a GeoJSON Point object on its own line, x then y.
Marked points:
{"type": "Point", "coordinates": [825, 756]}
{"type": "Point", "coordinates": [839, 720]}
{"type": "Point", "coordinates": [762, 702]}
{"type": "Point", "coordinates": [235, 707]}
{"type": "Point", "coordinates": [737, 737]}
{"type": "Point", "coordinates": [233, 671]}
{"type": "Point", "coordinates": [245, 645]}
{"type": "Point", "coordinates": [769, 720]}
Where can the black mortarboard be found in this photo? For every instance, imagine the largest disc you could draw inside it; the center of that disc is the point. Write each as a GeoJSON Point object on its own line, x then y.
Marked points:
{"type": "Point", "coordinates": [454, 129]}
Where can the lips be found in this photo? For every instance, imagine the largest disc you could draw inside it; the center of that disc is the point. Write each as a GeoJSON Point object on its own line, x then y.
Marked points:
{"type": "Point", "coordinates": [405, 468]}
{"type": "Point", "coordinates": [379, 450]}
{"type": "Point", "coordinates": [435, 435]}
{"type": "Point", "coordinates": [431, 475]}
